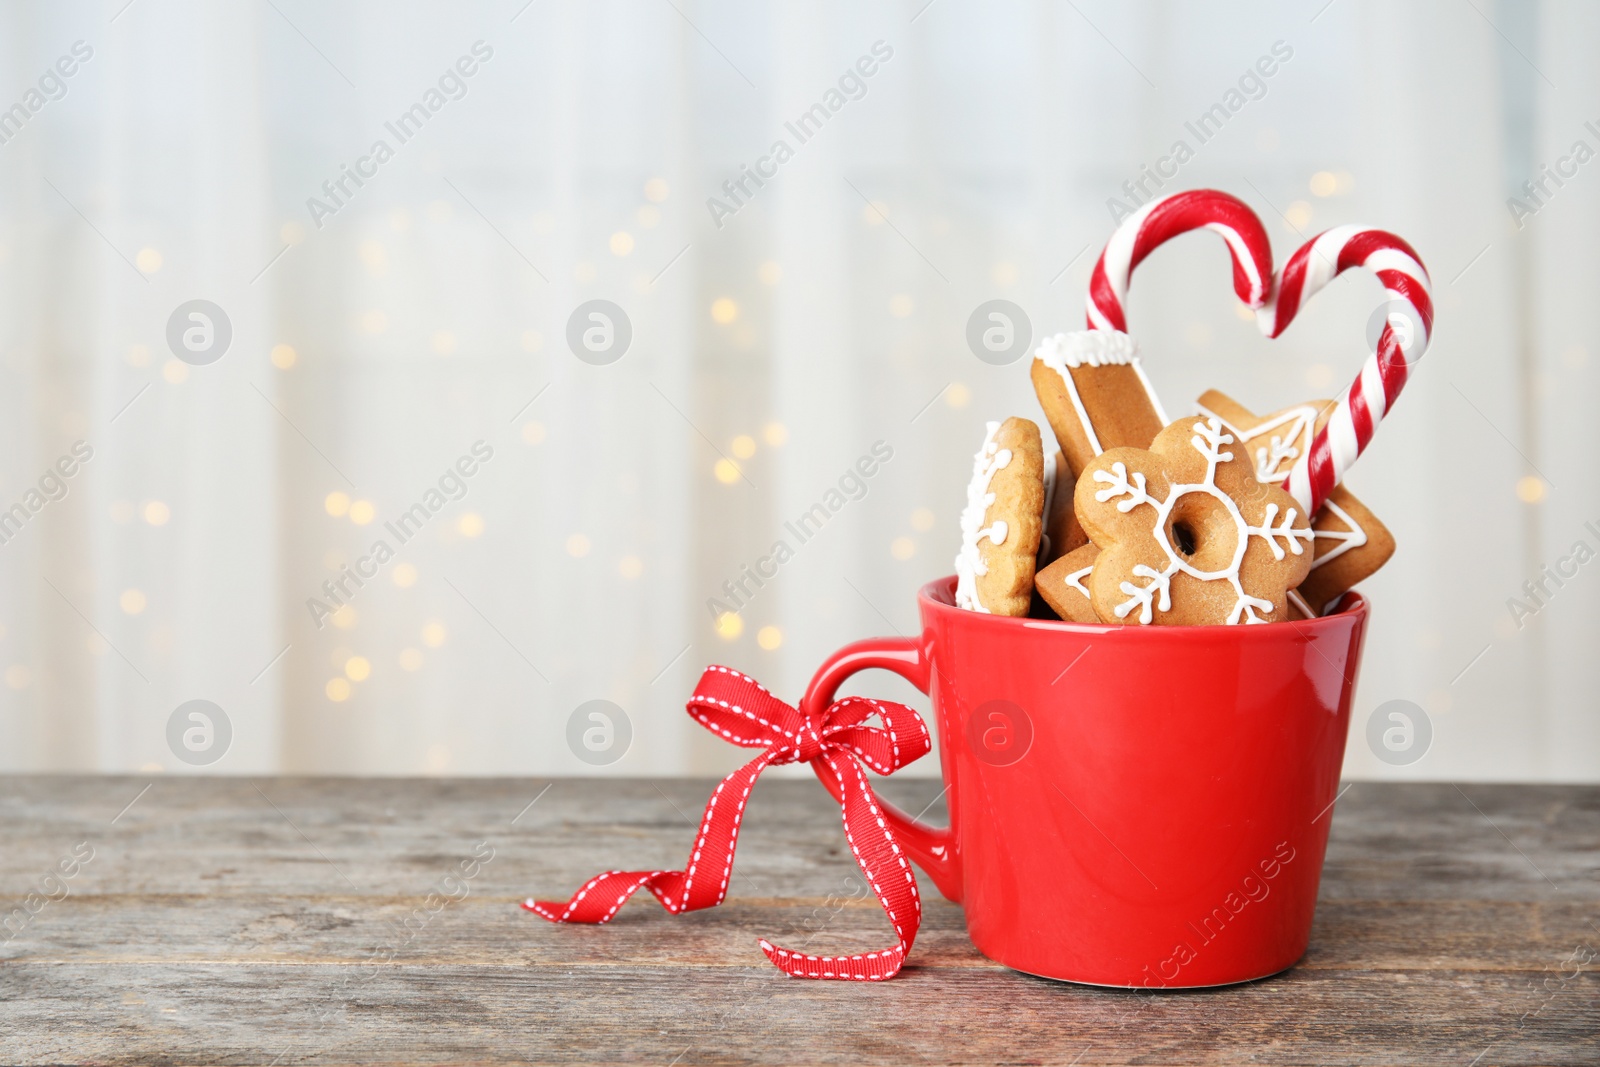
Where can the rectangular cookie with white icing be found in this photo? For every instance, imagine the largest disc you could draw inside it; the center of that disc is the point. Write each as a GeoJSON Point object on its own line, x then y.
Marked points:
{"type": "Point", "coordinates": [1095, 394]}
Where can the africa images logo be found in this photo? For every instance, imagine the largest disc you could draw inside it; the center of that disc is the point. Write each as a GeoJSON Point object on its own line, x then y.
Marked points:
{"type": "Point", "coordinates": [451, 85]}
{"type": "Point", "coordinates": [453, 485]}
{"type": "Point", "coordinates": [852, 85]}
{"type": "Point", "coordinates": [52, 87]}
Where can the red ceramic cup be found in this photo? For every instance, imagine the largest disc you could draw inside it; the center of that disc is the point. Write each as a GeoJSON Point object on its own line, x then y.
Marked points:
{"type": "Point", "coordinates": [1129, 805]}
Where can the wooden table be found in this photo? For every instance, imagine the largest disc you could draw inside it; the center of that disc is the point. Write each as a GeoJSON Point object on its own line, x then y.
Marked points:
{"type": "Point", "coordinates": [288, 921]}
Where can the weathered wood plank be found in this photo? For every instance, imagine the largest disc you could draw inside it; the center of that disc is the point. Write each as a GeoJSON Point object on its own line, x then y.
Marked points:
{"type": "Point", "coordinates": [332, 930]}
{"type": "Point", "coordinates": [255, 1013]}
{"type": "Point", "coordinates": [237, 921]}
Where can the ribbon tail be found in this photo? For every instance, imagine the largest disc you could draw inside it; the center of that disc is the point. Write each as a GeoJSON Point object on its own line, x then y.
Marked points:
{"type": "Point", "coordinates": [887, 871]}
{"type": "Point", "coordinates": [603, 895]}
{"type": "Point", "coordinates": [866, 967]}
{"type": "Point", "coordinates": [702, 884]}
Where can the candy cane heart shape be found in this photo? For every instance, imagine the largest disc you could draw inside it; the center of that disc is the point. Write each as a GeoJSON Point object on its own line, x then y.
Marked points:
{"type": "Point", "coordinates": [738, 709]}
{"type": "Point", "coordinates": [1359, 409]}
{"type": "Point", "coordinates": [1160, 221]}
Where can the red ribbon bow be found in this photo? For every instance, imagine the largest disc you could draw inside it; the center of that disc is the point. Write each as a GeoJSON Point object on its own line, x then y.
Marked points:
{"type": "Point", "coordinates": [739, 709]}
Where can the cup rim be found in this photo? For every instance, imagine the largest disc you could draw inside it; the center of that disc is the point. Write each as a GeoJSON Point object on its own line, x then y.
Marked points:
{"type": "Point", "coordinates": [939, 596]}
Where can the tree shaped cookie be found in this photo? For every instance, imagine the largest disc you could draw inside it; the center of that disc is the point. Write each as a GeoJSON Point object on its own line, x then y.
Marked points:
{"type": "Point", "coordinates": [1187, 535]}
{"type": "Point", "coordinates": [1351, 544]}
{"type": "Point", "coordinates": [1000, 525]}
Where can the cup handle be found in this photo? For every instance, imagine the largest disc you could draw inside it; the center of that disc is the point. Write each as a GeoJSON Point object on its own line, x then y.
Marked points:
{"type": "Point", "coordinates": [931, 847]}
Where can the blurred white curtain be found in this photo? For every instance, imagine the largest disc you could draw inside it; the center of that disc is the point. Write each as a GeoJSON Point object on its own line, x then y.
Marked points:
{"type": "Point", "coordinates": [144, 186]}
{"type": "Point", "coordinates": [768, 354]}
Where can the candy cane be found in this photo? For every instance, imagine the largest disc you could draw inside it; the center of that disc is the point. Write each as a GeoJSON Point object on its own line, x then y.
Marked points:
{"type": "Point", "coordinates": [1359, 409]}
{"type": "Point", "coordinates": [1160, 221]}
{"type": "Point", "coordinates": [1278, 299]}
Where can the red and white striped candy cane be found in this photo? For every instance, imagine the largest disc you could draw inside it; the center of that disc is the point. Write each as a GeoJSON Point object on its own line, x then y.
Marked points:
{"type": "Point", "coordinates": [1278, 299]}
{"type": "Point", "coordinates": [1160, 221]}
{"type": "Point", "coordinates": [1359, 409]}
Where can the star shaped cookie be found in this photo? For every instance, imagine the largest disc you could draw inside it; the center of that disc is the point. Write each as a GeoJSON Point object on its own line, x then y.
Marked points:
{"type": "Point", "coordinates": [1350, 542]}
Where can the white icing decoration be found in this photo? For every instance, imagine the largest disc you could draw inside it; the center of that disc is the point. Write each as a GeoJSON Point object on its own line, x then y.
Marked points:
{"type": "Point", "coordinates": [1049, 499]}
{"type": "Point", "coordinates": [1154, 596]}
{"type": "Point", "coordinates": [1094, 348]}
{"type": "Point", "coordinates": [1269, 533]}
{"type": "Point", "coordinates": [1271, 467]}
{"type": "Point", "coordinates": [969, 563]}
{"type": "Point", "coordinates": [1347, 540]}
{"type": "Point", "coordinates": [1141, 596]}
{"type": "Point", "coordinates": [1150, 391]}
{"type": "Point", "coordinates": [1296, 600]}
{"type": "Point", "coordinates": [1075, 580]}
{"type": "Point", "coordinates": [1270, 459]}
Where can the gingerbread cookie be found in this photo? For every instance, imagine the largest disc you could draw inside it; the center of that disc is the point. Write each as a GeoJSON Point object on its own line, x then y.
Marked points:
{"type": "Point", "coordinates": [1000, 525]}
{"type": "Point", "coordinates": [1095, 394]}
{"type": "Point", "coordinates": [1187, 535]}
{"type": "Point", "coordinates": [1062, 531]}
{"type": "Point", "coordinates": [1272, 442]}
{"type": "Point", "coordinates": [1351, 544]}
{"type": "Point", "coordinates": [1064, 584]}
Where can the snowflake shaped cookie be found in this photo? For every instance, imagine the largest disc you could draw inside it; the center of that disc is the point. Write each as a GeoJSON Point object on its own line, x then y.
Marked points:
{"type": "Point", "coordinates": [1187, 534]}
